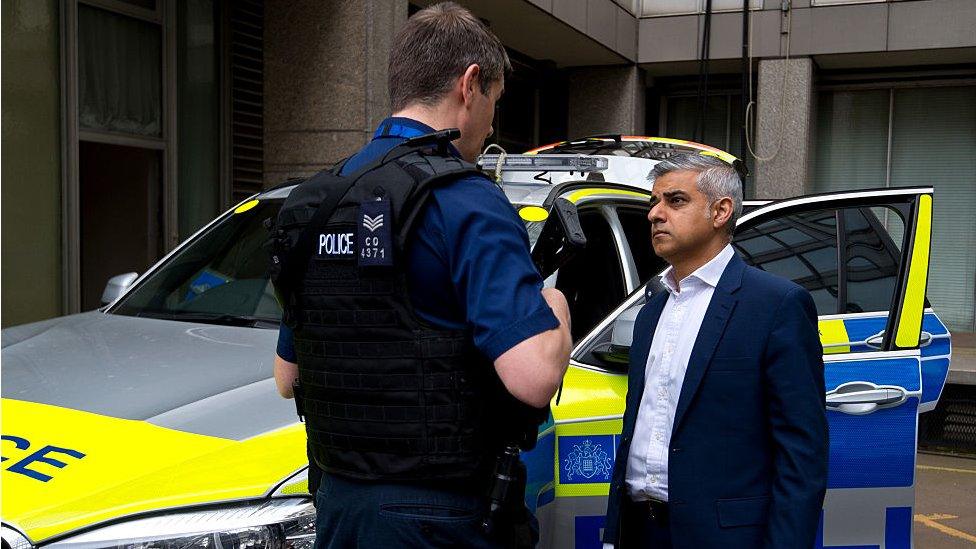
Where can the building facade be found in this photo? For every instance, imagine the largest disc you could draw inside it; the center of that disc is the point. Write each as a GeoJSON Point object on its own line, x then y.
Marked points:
{"type": "Point", "coordinates": [127, 124]}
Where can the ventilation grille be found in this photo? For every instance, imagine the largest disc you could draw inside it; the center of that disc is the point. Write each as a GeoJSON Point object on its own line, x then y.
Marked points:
{"type": "Point", "coordinates": [247, 97]}
{"type": "Point", "coordinates": [951, 427]}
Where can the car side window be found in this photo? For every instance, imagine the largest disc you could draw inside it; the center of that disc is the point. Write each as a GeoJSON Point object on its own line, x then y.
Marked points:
{"type": "Point", "coordinates": [801, 247]}
{"type": "Point", "coordinates": [871, 259]}
{"type": "Point", "coordinates": [637, 230]}
{"type": "Point", "coordinates": [593, 280]}
{"type": "Point", "coordinates": [807, 248]}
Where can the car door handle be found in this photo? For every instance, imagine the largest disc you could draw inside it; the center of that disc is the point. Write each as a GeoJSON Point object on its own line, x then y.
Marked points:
{"type": "Point", "coordinates": [877, 339]}
{"type": "Point", "coordinates": [863, 397]}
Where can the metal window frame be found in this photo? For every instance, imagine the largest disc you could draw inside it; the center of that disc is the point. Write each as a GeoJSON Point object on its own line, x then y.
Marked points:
{"type": "Point", "coordinates": [130, 10]}
{"type": "Point", "coordinates": [72, 134]}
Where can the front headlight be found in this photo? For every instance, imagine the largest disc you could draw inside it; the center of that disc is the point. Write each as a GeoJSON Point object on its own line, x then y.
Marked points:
{"type": "Point", "coordinates": [274, 524]}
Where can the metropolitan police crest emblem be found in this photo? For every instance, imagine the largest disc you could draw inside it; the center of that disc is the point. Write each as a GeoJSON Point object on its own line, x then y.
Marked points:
{"type": "Point", "coordinates": [589, 461]}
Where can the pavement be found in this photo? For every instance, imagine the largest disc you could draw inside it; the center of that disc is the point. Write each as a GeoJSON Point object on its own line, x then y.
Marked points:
{"type": "Point", "coordinates": [945, 502]}
{"type": "Point", "coordinates": [962, 369]}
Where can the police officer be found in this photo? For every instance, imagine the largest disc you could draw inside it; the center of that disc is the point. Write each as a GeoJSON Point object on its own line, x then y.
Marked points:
{"type": "Point", "coordinates": [419, 326]}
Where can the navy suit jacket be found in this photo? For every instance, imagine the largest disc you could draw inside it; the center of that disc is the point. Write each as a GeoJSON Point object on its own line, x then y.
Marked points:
{"type": "Point", "coordinates": [748, 454]}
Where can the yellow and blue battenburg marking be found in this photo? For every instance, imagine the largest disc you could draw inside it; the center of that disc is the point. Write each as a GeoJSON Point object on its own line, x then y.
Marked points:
{"type": "Point", "coordinates": [66, 469]}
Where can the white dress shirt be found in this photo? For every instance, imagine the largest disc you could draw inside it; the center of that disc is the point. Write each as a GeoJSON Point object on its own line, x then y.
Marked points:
{"type": "Point", "coordinates": [664, 374]}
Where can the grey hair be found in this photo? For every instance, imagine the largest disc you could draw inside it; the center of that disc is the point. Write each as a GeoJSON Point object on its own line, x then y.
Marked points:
{"type": "Point", "coordinates": [716, 179]}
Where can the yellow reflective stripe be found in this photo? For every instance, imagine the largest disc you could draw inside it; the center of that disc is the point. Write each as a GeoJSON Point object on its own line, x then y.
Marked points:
{"type": "Point", "coordinates": [299, 488]}
{"type": "Point", "coordinates": [833, 336]}
{"type": "Point", "coordinates": [575, 196]}
{"type": "Point", "coordinates": [573, 490]}
{"type": "Point", "coordinates": [246, 206]}
{"type": "Point", "coordinates": [587, 394]}
{"type": "Point", "coordinates": [595, 428]}
{"type": "Point", "coordinates": [910, 323]}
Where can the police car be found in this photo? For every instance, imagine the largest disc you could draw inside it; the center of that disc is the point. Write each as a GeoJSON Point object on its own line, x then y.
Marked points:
{"type": "Point", "coordinates": [155, 422]}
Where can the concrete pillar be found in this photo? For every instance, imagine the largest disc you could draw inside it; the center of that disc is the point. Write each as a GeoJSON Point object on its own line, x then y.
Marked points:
{"type": "Point", "coordinates": [784, 128]}
{"type": "Point", "coordinates": [606, 100]}
{"type": "Point", "coordinates": [325, 88]}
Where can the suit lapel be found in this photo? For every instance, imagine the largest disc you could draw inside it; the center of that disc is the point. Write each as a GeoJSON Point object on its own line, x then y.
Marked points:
{"type": "Point", "coordinates": [713, 326]}
{"type": "Point", "coordinates": [642, 346]}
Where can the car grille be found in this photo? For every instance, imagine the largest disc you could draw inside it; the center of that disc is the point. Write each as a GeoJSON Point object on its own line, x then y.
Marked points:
{"type": "Point", "coordinates": [951, 427]}
{"type": "Point", "coordinates": [13, 539]}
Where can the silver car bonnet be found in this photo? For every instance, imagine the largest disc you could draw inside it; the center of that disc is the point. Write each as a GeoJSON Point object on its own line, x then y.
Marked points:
{"type": "Point", "coordinates": [200, 378]}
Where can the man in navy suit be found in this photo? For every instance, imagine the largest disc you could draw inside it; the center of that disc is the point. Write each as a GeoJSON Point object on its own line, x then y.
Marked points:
{"type": "Point", "coordinates": [724, 440]}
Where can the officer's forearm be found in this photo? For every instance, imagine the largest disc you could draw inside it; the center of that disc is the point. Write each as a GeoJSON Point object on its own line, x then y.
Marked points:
{"type": "Point", "coordinates": [533, 369]}
{"type": "Point", "coordinates": [285, 374]}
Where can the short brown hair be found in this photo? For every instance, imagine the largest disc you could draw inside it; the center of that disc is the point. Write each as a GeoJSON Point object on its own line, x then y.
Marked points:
{"type": "Point", "coordinates": [435, 47]}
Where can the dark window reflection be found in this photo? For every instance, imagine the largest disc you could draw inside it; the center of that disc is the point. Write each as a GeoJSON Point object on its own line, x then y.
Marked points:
{"type": "Point", "coordinates": [637, 229]}
{"type": "Point", "coordinates": [801, 247]}
{"type": "Point", "coordinates": [592, 281]}
{"type": "Point", "coordinates": [872, 265]}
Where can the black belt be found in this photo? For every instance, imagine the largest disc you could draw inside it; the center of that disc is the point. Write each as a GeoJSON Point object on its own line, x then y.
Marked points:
{"type": "Point", "coordinates": [653, 509]}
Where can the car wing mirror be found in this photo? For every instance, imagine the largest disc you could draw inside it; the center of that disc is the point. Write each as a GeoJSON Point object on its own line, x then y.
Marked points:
{"type": "Point", "coordinates": [116, 286]}
{"type": "Point", "coordinates": [616, 352]}
{"type": "Point", "coordinates": [560, 239]}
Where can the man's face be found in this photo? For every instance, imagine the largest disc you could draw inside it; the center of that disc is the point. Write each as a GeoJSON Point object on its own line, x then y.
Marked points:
{"type": "Point", "coordinates": [681, 217]}
{"type": "Point", "coordinates": [475, 121]}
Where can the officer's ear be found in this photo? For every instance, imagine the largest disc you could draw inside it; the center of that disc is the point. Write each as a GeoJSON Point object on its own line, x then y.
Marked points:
{"type": "Point", "coordinates": [470, 82]}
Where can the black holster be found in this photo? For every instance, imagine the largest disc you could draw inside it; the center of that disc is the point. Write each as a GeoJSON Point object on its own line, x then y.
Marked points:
{"type": "Point", "coordinates": [507, 520]}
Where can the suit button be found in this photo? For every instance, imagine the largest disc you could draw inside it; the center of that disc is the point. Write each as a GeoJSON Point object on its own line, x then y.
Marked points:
{"type": "Point", "coordinates": [675, 450]}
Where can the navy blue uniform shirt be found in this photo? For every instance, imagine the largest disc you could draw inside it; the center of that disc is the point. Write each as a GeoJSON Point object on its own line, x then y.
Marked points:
{"type": "Point", "coordinates": [468, 263]}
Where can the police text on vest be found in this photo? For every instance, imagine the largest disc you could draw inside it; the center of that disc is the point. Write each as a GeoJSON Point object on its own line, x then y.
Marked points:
{"type": "Point", "coordinates": [337, 244]}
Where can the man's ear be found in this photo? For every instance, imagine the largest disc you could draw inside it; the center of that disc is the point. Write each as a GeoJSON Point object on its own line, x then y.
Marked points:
{"type": "Point", "coordinates": [722, 212]}
{"type": "Point", "coordinates": [470, 82]}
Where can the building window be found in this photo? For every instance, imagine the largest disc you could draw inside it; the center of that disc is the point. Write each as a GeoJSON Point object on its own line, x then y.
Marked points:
{"type": "Point", "coordinates": [657, 8]}
{"type": "Point", "coordinates": [839, 2]}
{"type": "Point", "coordinates": [722, 126]}
{"type": "Point", "coordinates": [163, 128]}
{"type": "Point", "coordinates": [198, 106]}
{"type": "Point", "coordinates": [532, 111]}
{"type": "Point", "coordinates": [895, 137]}
{"type": "Point", "coordinates": [121, 140]}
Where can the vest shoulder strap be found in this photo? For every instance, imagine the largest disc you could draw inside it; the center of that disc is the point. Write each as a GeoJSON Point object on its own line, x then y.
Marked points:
{"type": "Point", "coordinates": [336, 187]}
{"type": "Point", "coordinates": [429, 172]}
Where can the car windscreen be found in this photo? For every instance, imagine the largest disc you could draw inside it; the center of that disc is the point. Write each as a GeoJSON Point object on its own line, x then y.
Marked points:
{"type": "Point", "coordinates": [220, 277]}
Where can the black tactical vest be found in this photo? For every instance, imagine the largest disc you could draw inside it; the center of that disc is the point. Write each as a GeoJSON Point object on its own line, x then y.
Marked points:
{"type": "Point", "coordinates": [385, 395]}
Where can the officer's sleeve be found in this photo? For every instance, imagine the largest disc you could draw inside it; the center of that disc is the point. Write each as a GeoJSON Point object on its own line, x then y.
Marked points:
{"type": "Point", "coordinates": [486, 249]}
{"type": "Point", "coordinates": [286, 344]}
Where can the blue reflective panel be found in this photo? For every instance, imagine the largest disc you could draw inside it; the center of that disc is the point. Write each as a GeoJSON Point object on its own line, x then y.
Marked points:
{"type": "Point", "coordinates": [860, 329]}
{"type": "Point", "coordinates": [539, 471]}
{"type": "Point", "coordinates": [877, 449]}
{"type": "Point", "coordinates": [874, 450]}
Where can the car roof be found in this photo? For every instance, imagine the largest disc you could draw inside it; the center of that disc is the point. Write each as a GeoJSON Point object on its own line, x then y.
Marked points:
{"type": "Point", "coordinates": [630, 159]}
{"type": "Point", "coordinates": [638, 146]}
